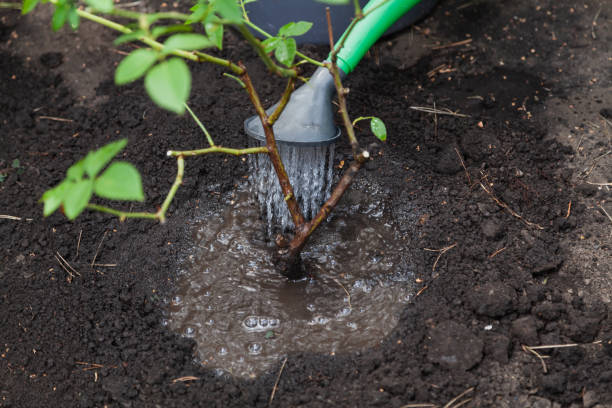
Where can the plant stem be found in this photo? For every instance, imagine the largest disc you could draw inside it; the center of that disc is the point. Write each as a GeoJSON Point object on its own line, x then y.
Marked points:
{"type": "Point", "coordinates": [261, 52]}
{"type": "Point", "coordinates": [279, 168]}
{"type": "Point", "coordinates": [283, 102]}
{"type": "Point", "coordinates": [16, 6]}
{"type": "Point", "coordinates": [197, 120]}
{"type": "Point", "coordinates": [196, 56]}
{"type": "Point", "coordinates": [122, 214]}
{"type": "Point", "coordinates": [180, 164]}
{"type": "Point", "coordinates": [218, 149]}
{"type": "Point", "coordinates": [267, 35]}
{"type": "Point", "coordinates": [134, 15]}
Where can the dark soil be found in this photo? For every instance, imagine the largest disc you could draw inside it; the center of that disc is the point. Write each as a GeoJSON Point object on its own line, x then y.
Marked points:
{"type": "Point", "coordinates": [533, 79]}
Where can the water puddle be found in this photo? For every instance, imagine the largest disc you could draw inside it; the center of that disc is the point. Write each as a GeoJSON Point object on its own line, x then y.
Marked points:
{"type": "Point", "coordinates": [245, 316]}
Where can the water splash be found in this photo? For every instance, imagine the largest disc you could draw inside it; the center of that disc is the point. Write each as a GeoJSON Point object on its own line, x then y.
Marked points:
{"type": "Point", "coordinates": [310, 170]}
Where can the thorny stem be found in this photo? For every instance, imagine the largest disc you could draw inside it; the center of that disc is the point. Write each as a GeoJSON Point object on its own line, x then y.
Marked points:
{"type": "Point", "coordinates": [279, 168]}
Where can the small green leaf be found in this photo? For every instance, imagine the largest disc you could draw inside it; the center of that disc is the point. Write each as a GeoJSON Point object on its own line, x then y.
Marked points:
{"type": "Point", "coordinates": [105, 6]}
{"type": "Point", "coordinates": [200, 12]}
{"type": "Point", "coordinates": [187, 42]}
{"type": "Point", "coordinates": [59, 17]}
{"type": "Point", "coordinates": [378, 128]}
{"type": "Point", "coordinates": [269, 334]}
{"type": "Point", "coordinates": [285, 51]}
{"type": "Point", "coordinates": [2, 177]}
{"type": "Point", "coordinates": [73, 18]}
{"type": "Point", "coordinates": [214, 31]}
{"type": "Point", "coordinates": [270, 44]}
{"type": "Point", "coordinates": [95, 161]}
{"type": "Point", "coordinates": [75, 172]}
{"type": "Point", "coordinates": [134, 35]}
{"type": "Point", "coordinates": [229, 10]}
{"type": "Point", "coordinates": [334, 2]}
{"type": "Point", "coordinates": [135, 65]}
{"type": "Point", "coordinates": [121, 181]}
{"type": "Point", "coordinates": [53, 197]}
{"type": "Point", "coordinates": [16, 164]}
{"type": "Point", "coordinates": [294, 29]}
{"type": "Point", "coordinates": [28, 5]}
{"type": "Point", "coordinates": [168, 84]}
{"type": "Point", "coordinates": [76, 197]}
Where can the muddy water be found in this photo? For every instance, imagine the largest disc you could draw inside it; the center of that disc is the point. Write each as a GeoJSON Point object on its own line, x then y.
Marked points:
{"type": "Point", "coordinates": [244, 316]}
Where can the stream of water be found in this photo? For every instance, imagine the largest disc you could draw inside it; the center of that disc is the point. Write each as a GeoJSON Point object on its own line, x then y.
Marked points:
{"type": "Point", "coordinates": [310, 170]}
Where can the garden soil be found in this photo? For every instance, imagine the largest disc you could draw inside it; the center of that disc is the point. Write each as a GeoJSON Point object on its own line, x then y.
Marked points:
{"type": "Point", "coordinates": [512, 197]}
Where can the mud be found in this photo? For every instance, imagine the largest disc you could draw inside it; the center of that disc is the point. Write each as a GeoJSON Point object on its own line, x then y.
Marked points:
{"type": "Point", "coordinates": [503, 214]}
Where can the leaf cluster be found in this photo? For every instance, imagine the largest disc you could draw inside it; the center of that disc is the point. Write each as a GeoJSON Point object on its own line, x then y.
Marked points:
{"type": "Point", "coordinates": [120, 181]}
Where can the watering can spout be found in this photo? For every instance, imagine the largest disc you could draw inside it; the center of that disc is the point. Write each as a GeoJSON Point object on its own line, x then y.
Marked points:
{"type": "Point", "coordinates": [308, 118]}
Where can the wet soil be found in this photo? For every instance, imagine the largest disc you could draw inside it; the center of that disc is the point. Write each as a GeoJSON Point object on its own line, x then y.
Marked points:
{"type": "Point", "coordinates": [512, 199]}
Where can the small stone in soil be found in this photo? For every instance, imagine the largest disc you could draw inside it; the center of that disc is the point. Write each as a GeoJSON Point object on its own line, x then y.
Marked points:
{"type": "Point", "coordinates": [453, 346]}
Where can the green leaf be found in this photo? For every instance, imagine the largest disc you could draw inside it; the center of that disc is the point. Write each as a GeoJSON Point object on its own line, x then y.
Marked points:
{"type": "Point", "coordinates": [76, 171]}
{"type": "Point", "coordinates": [95, 161]}
{"type": "Point", "coordinates": [28, 5]}
{"type": "Point", "coordinates": [214, 31]}
{"type": "Point", "coordinates": [168, 84]}
{"type": "Point", "coordinates": [159, 31]}
{"type": "Point", "coordinates": [270, 44]}
{"type": "Point", "coordinates": [53, 197]}
{"type": "Point", "coordinates": [334, 2]}
{"type": "Point", "coordinates": [134, 35]}
{"type": "Point", "coordinates": [121, 181]}
{"type": "Point", "coordinates": [285, 51]}
{"type": "Point", "coordinates": [76, 197]}
{"type": "Point", "coordinates": [135, 65]}
{"type": "Point", "coordinates": [73, 18]}
{"type": "Point", "coordinates": [378, 128]}
{"type": "Point", "coordinates": [294, 29]}
{"type": "Point", "coordinates": [16, 164]}
{"type": "Point", "coordinates": [229, 10]}
{"type": "Point", "coordinates": [187, 42]}
{"type": "Point", "coordinates": [105, 6]}
{"type": "Point", "coordinates": [200, 12]}
{"type": "Point", "coordinates": [59, 17]}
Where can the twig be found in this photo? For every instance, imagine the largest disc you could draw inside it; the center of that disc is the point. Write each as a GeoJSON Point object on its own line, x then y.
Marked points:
{"type": "Point", "coordinates": [455, 44]}
{"type": "Point", "coordinates": [494, 254]}
{"type": "Point", "coordinates": [538, 355]}
{"type": "Point", "coordinates": [442, 111]}
{"type": "Point", "coordinates": [569, 209]}
{"type": "Point", "coordinates": [599, 184]}
{"type": "Point", "coordinates": [605, 212]}
{"type": "Point", "coordinates": [78, 245]}
{"type": "Point", "coordinates": [106, 265]}
{"type": "Point", "coordinates": [510, 210]}
{"type": "Point", "coordinates": [67, 264]}
{"type": "Point", "coordinates": [458, 397]}
{"type": "Point", "coordinates": [186, 378]}
{"type": "Point", "coordinates": [346, 291]}
{"type": "Point", "coordinates": [55, 119]}
{"type": "Point", "coordinates": [441, 251]}
{"type": "Point", "coordinates": [594, 24]}
{"type": "Point", "coordinates": [277, 381]}
{"type": "Point", "coordinates": [421, 290]}
{"type": "Point", "coordinates": [98, 250]}
{"type": "Point", "coordinates": [467, 174]}
{"type": "Point", "coordinates": [70, 274]}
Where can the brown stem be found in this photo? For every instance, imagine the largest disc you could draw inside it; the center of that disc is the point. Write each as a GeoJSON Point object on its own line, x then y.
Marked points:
{"type": "Point", "coordinates": [279, 168]}
{"type": "Point", "coordinates": [283, 101]}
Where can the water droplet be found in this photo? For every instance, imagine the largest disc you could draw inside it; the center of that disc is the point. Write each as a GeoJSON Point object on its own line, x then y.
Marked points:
{"type": "Point", "coordinates": [190, 331]}
{"type": "Point", "coordinates": [164, 322]}
{"type": "Point", "coordinates": [263, 322]}
{"type": "Point", "coordinates": [250, 322]}
{"type": "Point", "coordinates": [255, 348]}
{"type": "Point", "coordinates": [177, 300]}
{"type": "Point", "coordinates": [310, 307]}
{"type": "Point", "coordinates": [222, 351]}
{"type": "Point", "coordinates": [274, 322]}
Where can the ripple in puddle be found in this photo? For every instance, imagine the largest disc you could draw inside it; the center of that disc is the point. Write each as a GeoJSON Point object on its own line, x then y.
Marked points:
{"type": "Point", "coordinates": [244, 316]}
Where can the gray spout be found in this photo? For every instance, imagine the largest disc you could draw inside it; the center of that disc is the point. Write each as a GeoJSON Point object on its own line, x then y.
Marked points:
{"type": "Point", "coordinates": [308, 118]}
